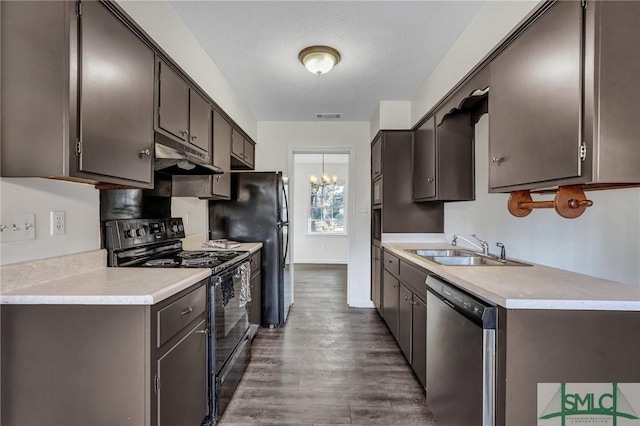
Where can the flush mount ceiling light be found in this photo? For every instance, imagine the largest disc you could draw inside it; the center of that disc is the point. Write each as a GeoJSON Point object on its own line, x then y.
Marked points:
{"type": "Point", "coordinates": [319, 59]}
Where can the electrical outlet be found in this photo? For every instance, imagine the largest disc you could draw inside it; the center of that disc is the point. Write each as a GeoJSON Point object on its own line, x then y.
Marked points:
{"type": "Point", "coordinates": [58, 225]}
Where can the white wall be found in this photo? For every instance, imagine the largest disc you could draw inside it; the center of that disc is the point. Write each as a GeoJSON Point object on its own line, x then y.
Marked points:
{"type": "Point", "coordinates": [488, 28]}
{"type": "Point", "coordinates": [80, 202]}
{"type": "Point", "coordinates": [194, 213]}
{"type": "Point", "coordinates": [603, 242]}
{"type": "Point", "coordinates": [272, 154]}
{"type": "Point", "coordinates": [164, 25]}
{"type": "Point", "coordinates": [310, 248]}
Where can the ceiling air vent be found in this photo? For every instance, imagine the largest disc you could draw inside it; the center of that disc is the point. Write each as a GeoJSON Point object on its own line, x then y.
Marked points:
{"type": "Point", "coordinates": [328, 115]}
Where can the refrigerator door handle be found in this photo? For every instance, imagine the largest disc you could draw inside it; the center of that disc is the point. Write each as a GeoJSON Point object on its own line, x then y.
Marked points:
{"type": "Point", "coordinates": [286, 202]}
{"type": "Point", "coordinates": [286, 247]}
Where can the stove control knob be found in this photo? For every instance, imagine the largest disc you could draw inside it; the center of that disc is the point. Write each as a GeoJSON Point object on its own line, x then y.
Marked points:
{"type": "Point", "coordinates": [180, 228]}
{"type": "Point", "coordinates": [174, 228]}
{"type": "Point", "coordinates": [129, 233]}
{"type": "Point", "coordinates": [140, 232]}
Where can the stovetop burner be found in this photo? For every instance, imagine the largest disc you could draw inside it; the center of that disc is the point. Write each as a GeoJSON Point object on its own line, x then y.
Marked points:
{"type": "Point", "coordinates": [161, 263]}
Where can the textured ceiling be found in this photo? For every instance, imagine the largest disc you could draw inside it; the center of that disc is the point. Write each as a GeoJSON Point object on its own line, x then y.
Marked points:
{"type": "Point", "coordinates": [388, 50]}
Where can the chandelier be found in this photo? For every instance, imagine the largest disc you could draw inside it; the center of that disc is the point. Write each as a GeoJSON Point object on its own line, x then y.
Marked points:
{"type": "Point", "coordinates": [324, 178]}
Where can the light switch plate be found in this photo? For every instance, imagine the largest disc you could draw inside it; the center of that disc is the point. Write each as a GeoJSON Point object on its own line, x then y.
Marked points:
{"type": "Point", "coordinates": [21, 228]}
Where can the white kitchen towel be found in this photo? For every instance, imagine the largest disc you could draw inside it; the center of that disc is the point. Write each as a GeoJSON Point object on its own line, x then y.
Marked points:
{"type": "Point", "coordinates": [245, 284]}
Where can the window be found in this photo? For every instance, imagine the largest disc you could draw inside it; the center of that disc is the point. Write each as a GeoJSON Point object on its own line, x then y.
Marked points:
{"type": "Point", "coordinates": [327, 209]}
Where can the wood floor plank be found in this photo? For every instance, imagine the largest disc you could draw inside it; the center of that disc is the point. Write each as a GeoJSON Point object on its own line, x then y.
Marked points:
{"type": "Point", "coordinates": [329, 365]}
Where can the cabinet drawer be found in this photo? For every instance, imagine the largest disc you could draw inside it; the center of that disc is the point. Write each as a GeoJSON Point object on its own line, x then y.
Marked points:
{"type": "Point", "coordinates": [414, 278]}
{"type": "Point", "coordinates": [256, 262]}
{"type": "Point", "coordinates": [392, 264]}
{"type": "Point", "coordinates": [177, 315]}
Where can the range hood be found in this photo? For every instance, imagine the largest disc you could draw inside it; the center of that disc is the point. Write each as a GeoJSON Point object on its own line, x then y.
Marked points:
{"type": "Point", "coordinates": [179, 160]}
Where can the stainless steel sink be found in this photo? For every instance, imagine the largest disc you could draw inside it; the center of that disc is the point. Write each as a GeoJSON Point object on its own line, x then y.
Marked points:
{"type": "Point", "coordinates": [443, 252]}
{"type": "Point", "coordinates": [474, 261]}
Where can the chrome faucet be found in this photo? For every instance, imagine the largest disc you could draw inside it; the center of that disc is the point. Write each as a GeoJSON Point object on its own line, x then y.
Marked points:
{"type": "Point", "coordinates": [484, 246]}
{"type": "Point", "coordinates": [503, 251]}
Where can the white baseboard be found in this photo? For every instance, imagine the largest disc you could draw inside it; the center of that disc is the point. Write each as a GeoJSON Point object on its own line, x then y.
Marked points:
{"type": "Point", "coordinates": [321, 262]}
{"type": "Point", "coordinates": [362, 303]}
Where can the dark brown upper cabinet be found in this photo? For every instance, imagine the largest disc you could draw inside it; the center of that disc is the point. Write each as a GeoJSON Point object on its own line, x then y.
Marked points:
{"type": "Point", "coordinates": [221, 155]}
{"type": "Point", "coordinates": [376, 159]}
{"type": "Point", "coordinates": [564, 100]}
{"type": "Point", "coordinates": [242, 151]}
{"type": "Point", "coordinates": [183, 114]}
{"type": "Point", "coordinates": [443, 148]}
{"type": "Point", "coordinates": [213, 187]}
{"type": "Point", "coordinates": [391, 191]}
{"type": "Point", "coordinates": [77, 94]}
{"type": "Point", "coordinates": [443, 160]}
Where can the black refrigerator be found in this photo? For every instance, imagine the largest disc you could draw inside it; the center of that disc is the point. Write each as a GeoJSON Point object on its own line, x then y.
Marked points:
{"type": "Point", "coordinates": [259, 212]}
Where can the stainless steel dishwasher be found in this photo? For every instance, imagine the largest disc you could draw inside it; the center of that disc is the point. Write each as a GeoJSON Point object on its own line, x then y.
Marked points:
{"type": "Point", "coordinates": [461, 348]}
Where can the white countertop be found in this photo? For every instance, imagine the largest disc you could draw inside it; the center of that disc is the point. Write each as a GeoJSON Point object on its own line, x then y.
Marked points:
{"type": "Point", "coordinates": [108, 286]}
{"type": "Point", "coordinates": [528, 287]}
{"type": "Point", "coordinates": [84, 279]}
{"type": "Point", "coordinates": [194, 242]}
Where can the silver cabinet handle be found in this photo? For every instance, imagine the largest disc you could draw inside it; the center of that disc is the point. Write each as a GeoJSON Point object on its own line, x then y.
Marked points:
{"type": "Point", "coordinates": [218, 177]}
{"type": "Point", "coordinates": [144, 152]}
{"type": "Point", "coordinates": [194, 137]}
{"type": "Point", "coordinates": [187, 311]}
{"type": "Point", "coordinates": [205, 331]}
{"type": "Point", "coordinates": [497, 160]}
{"type": "Point", "coordinates": [184, 132]}
{"type": "Point", "coordinates": [407, 298]}
{"type": "Point", "coordinates": [395, 285]}
{"type": "Point", "coordinates": [3, 227]}
{"type": "Point", "coordinates": [429, 180]}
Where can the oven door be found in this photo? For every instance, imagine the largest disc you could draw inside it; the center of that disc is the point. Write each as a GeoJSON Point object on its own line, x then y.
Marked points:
{"type": "Point", "coordinates": [230, 320]}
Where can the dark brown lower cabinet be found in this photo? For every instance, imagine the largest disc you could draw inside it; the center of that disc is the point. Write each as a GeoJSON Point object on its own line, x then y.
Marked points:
{"type": "Point", "coordinates": [419, 339]}
{"type": "Point", "coordinates": [181, 380]}
{"type": "Point", "coordinates": [390, 294]}
{"type": "Point", "coordinates": [404, 310]}
{"type": "Point", "coordinates": [129, 365]}
{"type": "Point", "coordinates": [376, 272]}
{"type": "Point", "coordinates": [405, 319]}
{"type": "Point", "coordinates": [255, 306]}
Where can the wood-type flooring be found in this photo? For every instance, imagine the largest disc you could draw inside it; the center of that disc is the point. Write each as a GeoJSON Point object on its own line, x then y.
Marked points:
{"type": "Point", "coordinates": [329, 365]}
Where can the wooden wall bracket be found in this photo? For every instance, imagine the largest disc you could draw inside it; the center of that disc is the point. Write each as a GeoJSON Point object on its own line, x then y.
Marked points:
{"type": "Point", "coordinates": [569, 202]}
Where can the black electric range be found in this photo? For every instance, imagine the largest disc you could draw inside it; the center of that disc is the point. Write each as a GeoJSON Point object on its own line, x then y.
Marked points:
{"type": "Point", "coordinates": [155, 243]}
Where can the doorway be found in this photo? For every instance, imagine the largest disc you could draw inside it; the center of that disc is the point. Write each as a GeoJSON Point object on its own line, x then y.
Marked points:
{"type": "Point", "coordinates": [321, 207]}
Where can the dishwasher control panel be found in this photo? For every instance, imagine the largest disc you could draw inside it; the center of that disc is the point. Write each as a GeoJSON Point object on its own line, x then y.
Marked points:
{"type": "Point", "coordinates": [480, 312]}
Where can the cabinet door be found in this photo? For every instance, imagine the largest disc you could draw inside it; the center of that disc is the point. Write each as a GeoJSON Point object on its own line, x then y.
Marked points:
{"type": "Point", "coordinates": [249, 153]}
{"type": "Point", "coordinates": [173, 113]}
{"type": "Point", "coordinates": [535, 101]}
{"type": "Point", "coordinates": [255, 308]}
{"type": "Point", "coordinates": [404, 321]}
{"type": "Point", "coordinates": [419, 340]}
{"type": "Point", "coordinates": [376, 272]}
{"type": "Point", "coordinates": [182, 373]}
{"type": "Point", "coordinates": [376, 197]}
{"type": "Point", "coordinates": [424, 161]}
{"type": "Point", "coordinates": [237, 144]}
{"type": "Point", "coordinates": [199, 121]}
{"type": "Point", "coordinates": [390, 293]}
{"type": "Point", "coordinates": [454, 159]}
{"type": "Point", "coordinates": [376, 158]}
{"type": "Point", "coordinates": [116, 99]}
{"type": "Point", "coordinates": [221, 155]}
